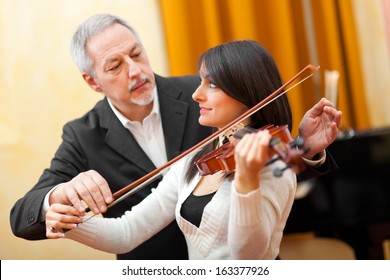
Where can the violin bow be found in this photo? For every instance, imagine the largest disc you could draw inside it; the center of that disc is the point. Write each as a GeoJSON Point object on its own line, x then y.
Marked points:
{"type": "Point", "coordinates": [150, 177]}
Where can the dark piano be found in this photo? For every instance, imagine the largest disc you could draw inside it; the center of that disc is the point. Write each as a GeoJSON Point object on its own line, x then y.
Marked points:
{"type": "Point", "coordinates": [353, 202]}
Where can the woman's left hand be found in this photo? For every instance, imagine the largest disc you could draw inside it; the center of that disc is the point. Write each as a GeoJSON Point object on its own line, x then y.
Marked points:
{"type": "Point", "coordinates": [251, 155]}
{"type": "Point", "coordinates": [319, 127]}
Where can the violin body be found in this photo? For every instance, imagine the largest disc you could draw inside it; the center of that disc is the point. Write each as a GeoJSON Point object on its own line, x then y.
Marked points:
{"type": "Point", "coordinates": [222, 159]}
{"type": "Point", "coordinates": [216, 161]}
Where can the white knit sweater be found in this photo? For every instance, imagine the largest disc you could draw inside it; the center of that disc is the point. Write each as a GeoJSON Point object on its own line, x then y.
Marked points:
{"type": "Point", "coordinates": [233, 226]}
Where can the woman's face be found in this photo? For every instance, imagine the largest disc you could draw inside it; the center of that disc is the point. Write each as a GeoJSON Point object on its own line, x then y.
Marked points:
{"type": "Point", "coordinates": [217, 109]}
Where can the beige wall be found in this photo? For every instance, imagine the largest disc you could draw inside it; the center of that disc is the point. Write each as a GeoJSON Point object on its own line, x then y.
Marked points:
{"type": "Point", "coordinates": [41, 89]}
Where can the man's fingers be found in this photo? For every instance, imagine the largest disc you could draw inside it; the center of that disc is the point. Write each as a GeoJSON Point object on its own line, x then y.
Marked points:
{"type": "Point", "coordinates": [90, 194]}
{"type": "Point", "coordinates": [74, 197]}
{"type": "Point", "coordinates": [93, 189]}
{"type": "Point", "coordinates": [88, 189]}
{"type": "Point", "coordinates": [104, 189]}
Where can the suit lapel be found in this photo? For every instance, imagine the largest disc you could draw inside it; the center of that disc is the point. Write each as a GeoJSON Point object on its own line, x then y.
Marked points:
{"type": "Point", "coordinates": [173, 114]}
{"type": "Point", "coordinates": [122, 141]}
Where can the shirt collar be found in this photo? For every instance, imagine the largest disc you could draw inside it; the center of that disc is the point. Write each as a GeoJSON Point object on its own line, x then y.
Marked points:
{"type": "Point", "coordinates": [124, 120]}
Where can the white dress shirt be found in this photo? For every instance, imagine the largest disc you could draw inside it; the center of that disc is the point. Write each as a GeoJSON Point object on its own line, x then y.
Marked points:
{"type": "Point", "coordinates": [149, 134]}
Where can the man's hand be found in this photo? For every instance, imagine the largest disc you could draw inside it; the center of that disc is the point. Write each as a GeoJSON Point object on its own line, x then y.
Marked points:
{"type": "Point", "coordinates": [89, 187]}
{"type": "Point", "coordinates": [319, 127]}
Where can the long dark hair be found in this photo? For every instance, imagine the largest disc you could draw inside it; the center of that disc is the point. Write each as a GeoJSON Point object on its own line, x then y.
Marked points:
{"type": "Point", "coordinates": [245, 71]}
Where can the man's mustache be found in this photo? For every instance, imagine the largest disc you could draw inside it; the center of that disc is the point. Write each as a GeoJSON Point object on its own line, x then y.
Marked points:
{"type": "Point", "coordinates": [137, 81]}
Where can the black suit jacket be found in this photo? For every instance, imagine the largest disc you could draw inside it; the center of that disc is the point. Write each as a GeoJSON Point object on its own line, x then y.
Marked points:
{"type": "Point", "coordinates": [99, 141]}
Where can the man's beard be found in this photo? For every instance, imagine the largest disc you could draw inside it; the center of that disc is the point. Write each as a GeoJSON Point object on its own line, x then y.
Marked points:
{"type": "Point", "coordinates": [141, 101]}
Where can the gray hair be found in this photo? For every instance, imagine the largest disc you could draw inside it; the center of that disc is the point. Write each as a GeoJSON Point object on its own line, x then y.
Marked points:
{"type": "Point", "coordinates": [86, 30]}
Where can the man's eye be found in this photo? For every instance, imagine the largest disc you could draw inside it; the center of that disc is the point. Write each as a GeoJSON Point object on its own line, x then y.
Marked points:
{"type": "Point", "coordinates": [113, 68]}
{"type": "Point", "coordinates": [136, 55]}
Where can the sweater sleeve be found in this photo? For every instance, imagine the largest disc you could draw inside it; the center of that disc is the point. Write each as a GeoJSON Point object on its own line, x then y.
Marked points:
{"type": "Point", "coordinates": [257, 219]}
{"type": "Point", "coordinates": [123, 234]}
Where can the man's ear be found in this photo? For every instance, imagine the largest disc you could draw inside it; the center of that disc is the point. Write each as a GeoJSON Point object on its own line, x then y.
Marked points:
{"type": "Point", "coordinates": [91, 82]}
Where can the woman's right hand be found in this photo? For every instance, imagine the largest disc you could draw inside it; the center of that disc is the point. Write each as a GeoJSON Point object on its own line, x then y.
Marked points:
{"type": "Point", "coordinates": [59, 217]}
{"type": "Point", "coordinates": [251, 154]}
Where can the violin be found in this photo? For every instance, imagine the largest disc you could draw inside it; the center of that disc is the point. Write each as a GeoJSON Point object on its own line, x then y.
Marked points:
{"type": "Point", "coordinates": [283, 147]}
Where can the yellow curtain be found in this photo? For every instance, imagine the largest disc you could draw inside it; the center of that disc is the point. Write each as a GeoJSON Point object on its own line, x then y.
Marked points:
{"type": "Point", "coordinates": [338, 49]}
{"type": "Point", "coordinates": [193, 26]}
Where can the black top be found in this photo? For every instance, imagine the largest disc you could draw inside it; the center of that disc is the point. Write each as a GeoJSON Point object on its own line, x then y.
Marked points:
{"type": "Point", "coordinates": [193, 206]}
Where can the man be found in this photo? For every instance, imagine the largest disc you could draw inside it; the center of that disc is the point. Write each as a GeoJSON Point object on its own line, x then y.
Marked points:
{"type": "Point", "coordinates": [143, 121]}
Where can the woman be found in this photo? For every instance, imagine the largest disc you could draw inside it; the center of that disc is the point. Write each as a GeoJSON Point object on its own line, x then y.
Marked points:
{"type": "Point", "coordinates": [236, 216]}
